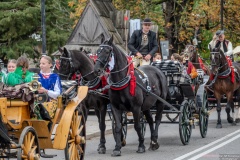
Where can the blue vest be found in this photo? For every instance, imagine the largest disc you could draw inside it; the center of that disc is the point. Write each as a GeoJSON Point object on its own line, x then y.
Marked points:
{"type": "Point", "coordinates": [50, 82]}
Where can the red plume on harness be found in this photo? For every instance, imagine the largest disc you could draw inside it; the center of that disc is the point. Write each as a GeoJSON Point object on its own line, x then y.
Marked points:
{"type": "Point", "coordinates": [232, 69]}
{"type": "Point", "coordinates": [133, 78]}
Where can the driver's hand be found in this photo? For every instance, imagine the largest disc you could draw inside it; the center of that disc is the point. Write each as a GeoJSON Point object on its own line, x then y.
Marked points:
{"type": "Point", "coordinates": [148, 57]}
{"type": "Point", "coordinates": [139, 55]}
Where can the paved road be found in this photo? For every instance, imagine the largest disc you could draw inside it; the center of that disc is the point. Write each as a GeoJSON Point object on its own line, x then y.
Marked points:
{"type": "Point", "coordinates": [218, 143]}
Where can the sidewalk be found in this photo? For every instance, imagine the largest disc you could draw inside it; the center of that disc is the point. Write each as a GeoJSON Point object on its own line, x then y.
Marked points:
{"type": "Point", "coordinates": [92, 126]}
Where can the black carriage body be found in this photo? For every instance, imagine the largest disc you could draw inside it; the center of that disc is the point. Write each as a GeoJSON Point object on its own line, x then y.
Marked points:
{"type": "Point", "coordinates": [178, 86]}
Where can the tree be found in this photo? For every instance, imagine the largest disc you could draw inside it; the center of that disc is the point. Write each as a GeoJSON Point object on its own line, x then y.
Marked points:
{"type": "Point", "coordinates": [20, 22]}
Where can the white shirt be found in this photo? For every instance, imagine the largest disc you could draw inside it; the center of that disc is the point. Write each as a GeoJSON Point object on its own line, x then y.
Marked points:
{"type": "Point", "coordinates": [229, 47]}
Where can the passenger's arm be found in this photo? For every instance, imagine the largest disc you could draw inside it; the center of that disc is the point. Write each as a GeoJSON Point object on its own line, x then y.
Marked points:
{"type": "Point", "coordinates": [57, 90]}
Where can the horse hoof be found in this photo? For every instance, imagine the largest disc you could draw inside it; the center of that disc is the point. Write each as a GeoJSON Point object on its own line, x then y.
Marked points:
{"type": "Point", "coordinates": [116, 153]}
{"type": "Point", "coordinates": [102, 150]}
{"type": "Point", "coordinates": [123, 142]}
{"type": "Point", "coordinates": [141, 150]}
{"type": "Point", "coordinates": [219, 126]}
{"type": "Point", "coordinates": [153, 146]}
{"type": "Point", "coordinates": [230, 120]}
{"type": "Point", "coordinates": [237, 120]}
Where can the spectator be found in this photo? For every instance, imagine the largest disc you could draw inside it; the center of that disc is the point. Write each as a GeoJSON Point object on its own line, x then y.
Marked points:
{"type": "Point", "coordinates": [225, 45]}
{"type": "Point", "coordinates": [21, 74]}
{"type": "Point", "coordinates": [143, 44]}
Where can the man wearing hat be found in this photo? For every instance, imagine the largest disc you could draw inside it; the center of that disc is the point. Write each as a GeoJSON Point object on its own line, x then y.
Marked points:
{"type": "Point", "coordinates": [143, 44]}
{"type": "Point", "coordinates": [226, 45]}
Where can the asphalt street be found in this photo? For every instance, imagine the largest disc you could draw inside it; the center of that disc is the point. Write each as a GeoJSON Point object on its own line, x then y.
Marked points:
{"type": "Point", "coordinates": [219, 143]}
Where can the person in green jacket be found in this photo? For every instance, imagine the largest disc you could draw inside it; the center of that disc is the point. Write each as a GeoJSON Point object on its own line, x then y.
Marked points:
{"type": "Point", "coordinates": [21, 74]}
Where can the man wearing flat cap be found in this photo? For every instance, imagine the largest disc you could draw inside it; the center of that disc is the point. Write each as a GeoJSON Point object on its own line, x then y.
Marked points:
{"type": "Point", "coordinates": [143, 44]}
{"type": "Point", "coordinates": [226, 45]}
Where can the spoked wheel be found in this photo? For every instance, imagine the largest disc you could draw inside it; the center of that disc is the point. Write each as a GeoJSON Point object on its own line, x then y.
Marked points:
{"type": "Point", "coordinates": [124, 128]}
{"type": "Point", "coordinates": [143, 125]}
{"type": "Point", "coordinates": [185, 122]}
{"type": "Point", "coordinates": [76, 143]}
{"type": "Point", "coordinates": [203, 116]}
{"type": "Point", "coordinates": [29, 145]}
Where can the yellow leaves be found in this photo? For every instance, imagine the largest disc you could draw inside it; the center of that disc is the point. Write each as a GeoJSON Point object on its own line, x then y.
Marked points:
{"type": "Point", "coordinates": [71, 3]}
{"type": "Point", "coordinates": [168, 25]}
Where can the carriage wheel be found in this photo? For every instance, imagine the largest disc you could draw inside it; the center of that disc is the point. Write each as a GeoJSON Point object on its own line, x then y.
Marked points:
{"type": "Point", "coordinates": [76, 143]}
{"type": "Point", "coordinates": [124, 128]}
{"type": "Point", "coordinates": [29, 145]}
{"type": "Point", "coordinates": [203, 116]}
{"type": "Point", "coordinates": [185, 122]}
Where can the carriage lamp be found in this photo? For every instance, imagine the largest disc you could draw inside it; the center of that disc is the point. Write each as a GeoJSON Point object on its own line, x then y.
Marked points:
{"type": "Point", "coordinates": [34, 85]}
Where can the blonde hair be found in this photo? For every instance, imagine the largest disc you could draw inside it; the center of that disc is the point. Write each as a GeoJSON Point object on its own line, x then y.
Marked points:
{"type": "Point", "coordinates": [48, 58]}
{"type": "Point", "coordinates": [12, 61]}
{"type": "Point", "coordinates": [22, 62]}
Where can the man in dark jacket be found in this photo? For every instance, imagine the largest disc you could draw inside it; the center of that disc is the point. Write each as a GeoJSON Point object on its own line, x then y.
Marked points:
{"type": "Point", "coordinates": [143, 44]}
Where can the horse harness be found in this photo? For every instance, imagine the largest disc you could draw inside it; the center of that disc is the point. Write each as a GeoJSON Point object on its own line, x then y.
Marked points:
{"type": "Point", "coordinates": [123, 83]}
{"type": "Point", "coordinates": [92, 84]}
{"type": "Point", "coordinates": [230, 70]}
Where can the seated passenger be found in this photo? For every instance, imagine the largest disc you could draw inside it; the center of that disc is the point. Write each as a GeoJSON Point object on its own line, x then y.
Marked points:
{"type": "Point", "coordinates": [11, 66]}
{"type": "Point", "coordinates": [157, 57]}
{"type": "Point", "coordinates": [51, 83]}
{"type": "Point", "coordinates": [190, 70]}
{"type": "Point", "coordinates": [21, 74]}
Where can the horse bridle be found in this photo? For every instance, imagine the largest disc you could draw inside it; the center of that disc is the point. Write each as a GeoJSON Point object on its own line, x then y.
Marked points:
{"type": "Point", "coordinates": [104, 63]}
{"type": "Point", "coordinates": [214, 63]}
{"type": "Point", "coordinates": [71, 70]}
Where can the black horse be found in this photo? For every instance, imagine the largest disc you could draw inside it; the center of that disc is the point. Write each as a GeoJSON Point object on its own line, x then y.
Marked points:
{"type": "Point", "coordinates": [148, 79]}
{"type": "Point", "coordinates": [224, 81]}
{"type": "Point", "coordinates": [73, 61]}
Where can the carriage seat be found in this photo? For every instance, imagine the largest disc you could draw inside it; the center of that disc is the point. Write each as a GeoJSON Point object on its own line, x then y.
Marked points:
{"type": "Point", "coordinates": [172, 70]}
{"type": "Point", "coordinates": [69, 89]}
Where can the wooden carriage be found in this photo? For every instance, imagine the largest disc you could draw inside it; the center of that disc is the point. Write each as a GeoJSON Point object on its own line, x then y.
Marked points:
{"type": "Point", "coordinates": [31, 136]}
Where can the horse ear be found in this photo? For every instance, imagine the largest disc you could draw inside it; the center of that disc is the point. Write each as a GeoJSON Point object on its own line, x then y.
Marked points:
{"type": "Point", "coordinates": [110, 40]}
{"type": "Point", "coordinates": [102, 38]}
{"type": "Point", "coordinates": [60, 49]}
{"type": "Point", "coordinates": [66, 52]}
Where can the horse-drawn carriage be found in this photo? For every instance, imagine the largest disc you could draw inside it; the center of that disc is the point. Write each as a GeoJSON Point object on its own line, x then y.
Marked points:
{"type": "Point", "coordinates": [24, 137]}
